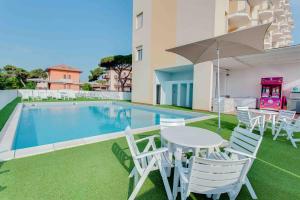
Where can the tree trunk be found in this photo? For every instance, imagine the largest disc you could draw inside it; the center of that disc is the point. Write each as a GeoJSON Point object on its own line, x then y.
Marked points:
{"type": "Point", "coordinates": [22, 83]}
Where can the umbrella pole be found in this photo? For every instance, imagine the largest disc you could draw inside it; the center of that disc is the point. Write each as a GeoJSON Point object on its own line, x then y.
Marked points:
{"type": "Point", "coordinates": [219, 99]}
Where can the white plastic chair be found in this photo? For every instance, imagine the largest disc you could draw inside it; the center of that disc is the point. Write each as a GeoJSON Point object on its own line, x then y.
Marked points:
{"type": "Point", "coordinates": [242, 144]}
{"type": "Point", "coordinates": [283, 115]}
{"type": "Point", "coordinates": [43, 95]}
{"type": "Point", "coordinates": [212, 177]}
{"type": "Point", "coordinates": [71, 95]}
{"type": "Point", "coordinates": [251, 123]}
{"type": "Point", "coordinates": [25, 96]}
{"type": "Point", "coordinates": [150, 159]}
{"type": "Point", "coordinates": [290, 126]}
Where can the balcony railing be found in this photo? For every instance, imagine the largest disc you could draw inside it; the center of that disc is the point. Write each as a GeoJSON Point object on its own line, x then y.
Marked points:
{"type": "Point", "coordinates": [265, 14]}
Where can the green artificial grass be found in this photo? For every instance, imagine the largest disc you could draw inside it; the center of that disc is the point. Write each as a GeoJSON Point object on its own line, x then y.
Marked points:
{"type": "Point", "coordinates": [100, 171]}
{"type": "Point", "coordinates": [7, 110]}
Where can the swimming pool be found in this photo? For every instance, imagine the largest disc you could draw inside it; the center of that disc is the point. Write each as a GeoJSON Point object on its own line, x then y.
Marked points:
{"type": "Point", "coordinates": [46, 124]}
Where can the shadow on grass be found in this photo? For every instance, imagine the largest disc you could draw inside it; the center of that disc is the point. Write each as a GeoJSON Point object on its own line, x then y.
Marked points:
{"type": "Point", "coordinates": [127, 163]}
{"type": "Point", "coordinates": [2, 172]}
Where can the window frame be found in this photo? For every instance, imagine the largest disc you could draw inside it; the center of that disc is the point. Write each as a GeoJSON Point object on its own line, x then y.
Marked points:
{"type": "Point", "coordinates": [139, 53]}
{"type": "Point", "coordinates": [141, 24]}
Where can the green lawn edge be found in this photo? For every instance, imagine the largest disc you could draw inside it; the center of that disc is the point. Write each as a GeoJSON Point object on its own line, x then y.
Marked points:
{"type": "Point", "coordinates": [6, 111]}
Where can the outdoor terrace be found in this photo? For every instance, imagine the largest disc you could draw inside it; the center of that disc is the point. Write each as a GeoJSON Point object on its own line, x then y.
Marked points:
{"type": "Point", "coordinates": [100, 170]}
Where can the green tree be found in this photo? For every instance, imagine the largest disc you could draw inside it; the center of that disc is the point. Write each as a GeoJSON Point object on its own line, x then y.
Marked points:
{"type": "Point", "coordinates": [38, 73]}
{"type": "Point", "coordinates": [120, 64]}
{"type": "Point", "coordinates": [87, 87]}
{"type": "Point", "coordinates": [16, 77]}
{"type": "Point", "coordinates": [96, 73]}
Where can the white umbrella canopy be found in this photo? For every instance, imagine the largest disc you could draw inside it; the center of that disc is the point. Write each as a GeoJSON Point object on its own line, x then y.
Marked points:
{"type": "Point", "coordinates": [244, 42]}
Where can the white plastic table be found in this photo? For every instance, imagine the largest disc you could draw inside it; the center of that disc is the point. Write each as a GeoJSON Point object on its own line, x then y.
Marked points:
{"type": "Point", "coordinates": [186, 136]}
{"type": "Point", "coordinates": [192, 137]}
{"type": "Point", "coordinates": [264, 113]}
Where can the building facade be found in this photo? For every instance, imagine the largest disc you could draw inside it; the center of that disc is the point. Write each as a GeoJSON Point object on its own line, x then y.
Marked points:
{"type": "Point", "coordinates": [63, 77]}
{"type": "Point", "coordinates": [160, 77]}
{"type": "Point", "coordinates": [112, 82]}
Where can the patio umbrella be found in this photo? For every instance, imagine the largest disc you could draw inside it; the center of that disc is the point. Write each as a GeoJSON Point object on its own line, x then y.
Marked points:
{"type": "Point", "coordinates": [238, 43]}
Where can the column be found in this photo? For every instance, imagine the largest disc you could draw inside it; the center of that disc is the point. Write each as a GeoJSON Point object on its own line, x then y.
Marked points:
{"type": "Point", "coordinates": [203, 84]}
{"type": "Point", "coordinates": [188, 87]}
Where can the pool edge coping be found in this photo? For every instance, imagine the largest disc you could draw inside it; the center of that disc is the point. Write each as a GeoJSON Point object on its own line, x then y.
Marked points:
{"type": "Point", "coordinates": [12, 123]}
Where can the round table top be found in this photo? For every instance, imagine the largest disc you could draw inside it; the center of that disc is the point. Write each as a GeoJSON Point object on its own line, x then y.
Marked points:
{"type": "Point", "coordinates": [191, 137]}
{"type": "Point", "coordinates": [264, 112]}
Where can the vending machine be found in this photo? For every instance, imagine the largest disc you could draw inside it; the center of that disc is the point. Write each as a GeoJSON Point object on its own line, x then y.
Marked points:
{"type": "Point", "coordinates": [271, 93]}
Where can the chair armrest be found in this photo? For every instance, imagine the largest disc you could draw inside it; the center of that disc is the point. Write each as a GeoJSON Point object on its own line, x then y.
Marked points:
{"type": "Point", "coordinates": [151, 153]}
{"type": "Point", "coordinates": [239, 153]}
{"type": "Point", "coordinates": [225, 144]}
{"type": "Point", "coordinates": [147, 138]}
{"type": "Point", "coordinates": [182, 171]}
{"type": "Point", "coordinates": [255, 118]}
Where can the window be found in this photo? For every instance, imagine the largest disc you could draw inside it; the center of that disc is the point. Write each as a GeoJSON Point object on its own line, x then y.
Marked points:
{"type": "Point", "coordinates": [139, 20]}
{"type": "Point", "coordinates": [69, 77]}
{"type": "Point", "coordinates": [65, 76]}
{"type": "Point", "coordinates": [139, 53]}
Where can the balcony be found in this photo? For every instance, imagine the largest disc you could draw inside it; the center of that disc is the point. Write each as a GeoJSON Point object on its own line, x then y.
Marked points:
{"type": "Point", "coordinates": [281, 39]}
{"type": "Point", "coordinates": [276, 35]}
{"type": "Point", "coordinates": [268, 43]}
{"type": "Point", "coordinates": [279, 11]}
{"type": "Point", "coordinates": [265, 14]}
{"type": "Point", "coordinates": [288, 37]}
{"type": "Point", "coordinates": [277, 2]}
{"type": "Point", "coordinates": [238, 19]}
{"type": "Point", "coordinates": [274, 26]}
{"type": "Point", "coordinates": [284, 25]}
{"type": "Point", "coordinates": [286, 31]}
{"type": "Point", "coordinates": [62, 81]}
{"type": "Point", "coordinates": [255, 2]}
{"type": "Point", "coordinates": [240, 16]}
{"type": "Point", "coordinates": [282, 17]}
{"type": "Point", "coordinates": [290, 21]}
{"type": "Point", "coordinates": [286, 4]}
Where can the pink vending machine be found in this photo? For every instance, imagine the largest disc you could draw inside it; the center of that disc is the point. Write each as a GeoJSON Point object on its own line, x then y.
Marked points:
{"type": "Point", "coordinates": [271, 97]}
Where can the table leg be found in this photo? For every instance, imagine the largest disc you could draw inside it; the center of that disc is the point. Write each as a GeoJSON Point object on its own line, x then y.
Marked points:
{"type": "Point", "coordinates": [178, 154]}
{"type": "Point", "coordinates": [273, 124]}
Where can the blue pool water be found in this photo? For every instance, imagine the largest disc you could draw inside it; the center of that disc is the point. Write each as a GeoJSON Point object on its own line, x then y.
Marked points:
{"type": "Point", "coordinates": [46, 124]}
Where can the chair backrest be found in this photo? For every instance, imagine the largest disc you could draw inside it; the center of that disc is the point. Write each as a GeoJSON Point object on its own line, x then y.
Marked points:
{"type": "Point", "coordinates": [243, 140]}
{"type": "Point", "coordinates": [242, 108]}
{"type": "Point", "coordinates": [243, 116]}
{"type": "Point", "coordinates": [166, 123]}
{"type": "Point", "coordinates": [139, 164]}
{"type": "Point", "coordinates": [283, 114]}
{"type": "Point", "coordinates": [131, 143]}
{"type": "Point", "coordinates": [216, 176]}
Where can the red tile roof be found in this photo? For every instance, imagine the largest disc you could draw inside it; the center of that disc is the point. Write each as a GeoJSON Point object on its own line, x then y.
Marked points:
{"type": "Point", "coordinates": [64, 67]}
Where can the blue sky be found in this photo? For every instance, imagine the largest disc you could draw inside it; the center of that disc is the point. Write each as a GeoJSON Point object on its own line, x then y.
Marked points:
{"type": "Point", "coordinates": [296, 16]}
{"type": "Point", "coordinates": [41, 33]}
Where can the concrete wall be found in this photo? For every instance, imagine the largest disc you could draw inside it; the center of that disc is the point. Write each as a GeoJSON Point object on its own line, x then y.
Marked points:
{"type": "Point", "coordinates": [7, 96]}
{"type": "Point", "coordinates": [203, 85]}
{"type": "Point", "coordinates": [167, 24]}
{"type": "Point", "coordinates": [142, 74]}
{"type": "Point", "coordinates": [246, 82]}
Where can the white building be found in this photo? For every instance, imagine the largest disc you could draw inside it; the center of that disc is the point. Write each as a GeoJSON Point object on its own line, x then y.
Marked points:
{"type": "Point", "coordinates": [160, 77]}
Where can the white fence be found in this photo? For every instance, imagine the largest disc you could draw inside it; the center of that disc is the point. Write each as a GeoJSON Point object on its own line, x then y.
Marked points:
{"type": "Point", "coordinates": [7, 96]}
{"type": "Point", "coordinates": [71, 94]}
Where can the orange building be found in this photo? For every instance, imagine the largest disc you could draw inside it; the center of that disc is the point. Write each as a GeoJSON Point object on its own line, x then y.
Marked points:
{"type": "Point", "coordinates": [63, 77]}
